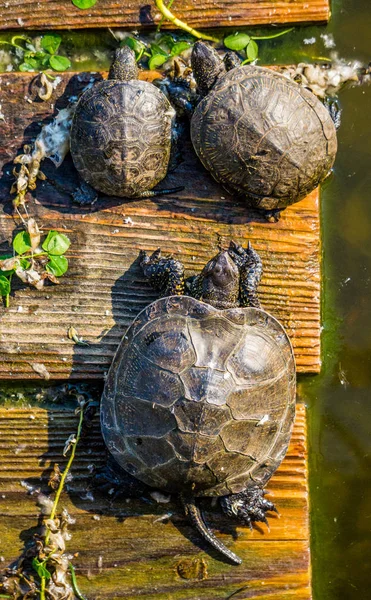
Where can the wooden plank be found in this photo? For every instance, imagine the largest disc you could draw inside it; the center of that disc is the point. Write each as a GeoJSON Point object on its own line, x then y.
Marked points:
{"type": "Point", "coordinates": [104, 289]}
{"type": "Point", "coordinates": [124, 550]}
{"type": "Point", "coordinates": [58, 14]}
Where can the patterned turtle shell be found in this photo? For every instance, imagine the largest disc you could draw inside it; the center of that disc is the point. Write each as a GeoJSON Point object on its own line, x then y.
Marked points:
{"type": "Point", "coordinates": [121, 137]}
{"type": "Point", "coordinates": [264, 137]}
{"type": "Point", "coordinates": [200, 400]}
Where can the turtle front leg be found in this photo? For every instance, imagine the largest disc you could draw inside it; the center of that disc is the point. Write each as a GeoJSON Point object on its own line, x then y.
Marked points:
{"type": "Point", "coordinates": [251, 270]}
{"type": "Point", "coordinates": [248, 506]}
{"type": "Point", "coordinates": [165, 275]}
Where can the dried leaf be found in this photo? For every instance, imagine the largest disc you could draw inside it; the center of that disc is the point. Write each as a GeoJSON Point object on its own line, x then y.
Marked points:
{"type": "Point", "coordinates": [71, 441]}
{"type": "Point", "coordinates": [73, 335]}
{"type": "Point", "coordinates": [34, 232]}
{"type": "Point", "coordinates": [55, 477]}
{"type": "Point", "coordinates": [41, 370]}
{"type": "Point", "coordinates": [9, 263]}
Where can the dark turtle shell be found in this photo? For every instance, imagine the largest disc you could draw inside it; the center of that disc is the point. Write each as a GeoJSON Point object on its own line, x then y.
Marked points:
{"type": "Point", "coordinates": [200, 400]}
{"type": "Point", "coordinates": [121, 137]}
{"type": "Point", "coordinates": [264, 137]}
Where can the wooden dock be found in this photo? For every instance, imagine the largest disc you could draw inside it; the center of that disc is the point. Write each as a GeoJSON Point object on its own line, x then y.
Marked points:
{"type": "Point", "coordinates": [59, 14]}
{"type": "Point", "coordinates": [104, 289]}
{"type": "Point", "coordinates": [125, 548]}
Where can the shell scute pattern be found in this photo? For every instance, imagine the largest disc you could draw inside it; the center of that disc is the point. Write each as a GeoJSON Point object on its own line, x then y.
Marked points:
{"type": "Point", "coordinates": [214, 419]}
{"type": "Point", "coordinates": [121, 136]}
{"type": "Point", "coordinates": [263, 136]}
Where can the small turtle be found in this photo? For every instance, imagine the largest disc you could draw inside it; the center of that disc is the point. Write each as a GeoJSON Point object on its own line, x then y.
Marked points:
{"type": "Point", "coordinates": [200, 397]}
{"type": "Point", "coordinates": [121, 133]}
{"type": "Point", "coordinates": [259, 134]}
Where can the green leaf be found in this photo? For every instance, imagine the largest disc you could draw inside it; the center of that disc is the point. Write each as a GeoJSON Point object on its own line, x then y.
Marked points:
{"type": "Point", "coordinates": [157, 49]}
{"type": "Point", "coordinates": [57, 265]}
{"type": "Point", "coordinates": [56, 243]}
{"type": "Point", "coordinates": [236, 41]}
{"type": "Point", "coordinates": [51, 42]}
{"type": "Point", "coordinates": [25, 264]}
{"type": "Point", "coordinates": [30, 64]}
{"type": "Point", "coordinates": [22, 242]}
{"type": "Point", "coordinates": [59, 63]}
{"type": "Point", "coordinates": [84, 4]}
{"type": "Point", "coordinates": [156, 61]}
{"type": "Point", "coordinates": [179, 47]}
{"type": "Point", "coordinates": [40, 568]}
{"type": "Point", "coordinates": [135, 45]}
{"type": "Point", "coordinates": [4, 286]}
{"type": "Point", "coordinates": [252, 51]}
{"type": "Point", "coordinates": [165, 43]}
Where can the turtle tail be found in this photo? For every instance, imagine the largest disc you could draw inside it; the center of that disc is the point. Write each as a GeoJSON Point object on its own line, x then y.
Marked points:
{"type": "Point", "coordinates": [194, 514]}
{"type": "Point", "coordinates": [151, 193]}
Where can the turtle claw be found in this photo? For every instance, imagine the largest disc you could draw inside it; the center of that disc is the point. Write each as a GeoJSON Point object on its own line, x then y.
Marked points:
{"type": "Point", "coordinates": [165, 275]}
{"type": "Point", "coordinates": [248, 506]}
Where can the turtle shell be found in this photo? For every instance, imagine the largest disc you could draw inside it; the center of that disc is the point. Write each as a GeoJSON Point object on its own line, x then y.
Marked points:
{"type": "Point", "coordinates": [200, 400]}
{"type": "Point", "coordinates": [264, 136]}
{"type": "Point", "coordinates": [121, 136]}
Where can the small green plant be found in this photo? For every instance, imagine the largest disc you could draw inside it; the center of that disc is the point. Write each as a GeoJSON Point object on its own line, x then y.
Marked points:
{"type": "Point", "coordinates": [242, 42]}
{"type": "Point", "coordinates": [41, 56]}
{"type": "Point", "coordinates": [159, 51]}
{"type": "Point", "coordinates": [32, 263]}
{"type": "Point", "coordinates": [45, 568]}
{"type": "Point", "coordinates": [239, 42]}
{"type": "Point", "coordinates": [84, 4]}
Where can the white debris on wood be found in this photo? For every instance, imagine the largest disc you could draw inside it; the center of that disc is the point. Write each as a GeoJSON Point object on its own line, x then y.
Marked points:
{"type": "Point", "coordinates": [263, 420]}
{"type": "Point", "coordinates": [160, 497]}
{"type": "Point", "coordinates": [41, 370]}
{"type": "Point", "coordinates": [53, 140]}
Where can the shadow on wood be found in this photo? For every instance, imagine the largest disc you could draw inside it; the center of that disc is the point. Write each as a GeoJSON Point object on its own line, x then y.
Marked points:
{"type": "Point", "coordinates": [101, 293]}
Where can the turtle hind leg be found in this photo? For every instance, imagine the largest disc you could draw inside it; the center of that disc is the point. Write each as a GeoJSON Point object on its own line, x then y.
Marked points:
{"type": "Point", "coordinates": [248, 506]}
{"type": "Point", "coordinates": [194, 514]}
{"type": "Point", "coordinates": [165, 275]}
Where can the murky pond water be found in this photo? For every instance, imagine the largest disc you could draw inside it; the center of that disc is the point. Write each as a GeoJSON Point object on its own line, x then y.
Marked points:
{"type": "Point", "coordinates": [339, 399]}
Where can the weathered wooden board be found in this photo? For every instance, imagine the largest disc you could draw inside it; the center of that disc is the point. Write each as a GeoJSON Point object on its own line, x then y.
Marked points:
{"type": "Point", "coordinates": [124, 548]}
{"type": "Point", "coordinates": [104, 289]}
{"type": "Point", "coordinates": [58, 14]}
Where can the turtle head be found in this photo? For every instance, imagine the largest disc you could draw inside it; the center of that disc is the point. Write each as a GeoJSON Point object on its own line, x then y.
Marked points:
{"type": "Point", "coordinates": [219, 281]}
{"type": "Point", "coordinates": [124, 66]}
{"type": "Point", "coordinates": [207, 66]}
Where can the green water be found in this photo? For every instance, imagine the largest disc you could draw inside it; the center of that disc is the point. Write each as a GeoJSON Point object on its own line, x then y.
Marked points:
{"type": "Point", "coordinates": [339, 399]}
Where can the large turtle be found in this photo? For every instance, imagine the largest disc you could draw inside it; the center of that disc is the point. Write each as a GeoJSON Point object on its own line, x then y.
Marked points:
{"type": "Point", "coordinates": [122, 132]}
{"type": "Point", "coordinates": [200, 397]}
{"type": "Point", "coordinates": [259, 134]}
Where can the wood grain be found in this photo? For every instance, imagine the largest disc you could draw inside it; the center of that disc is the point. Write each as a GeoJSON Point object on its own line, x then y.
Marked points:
{"type": "Point", "coordinates": [58, 14]}
{"type": "Point", "coordinates": [142, 556]}
{"type": "Point", "coordinates": [104, 289]}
